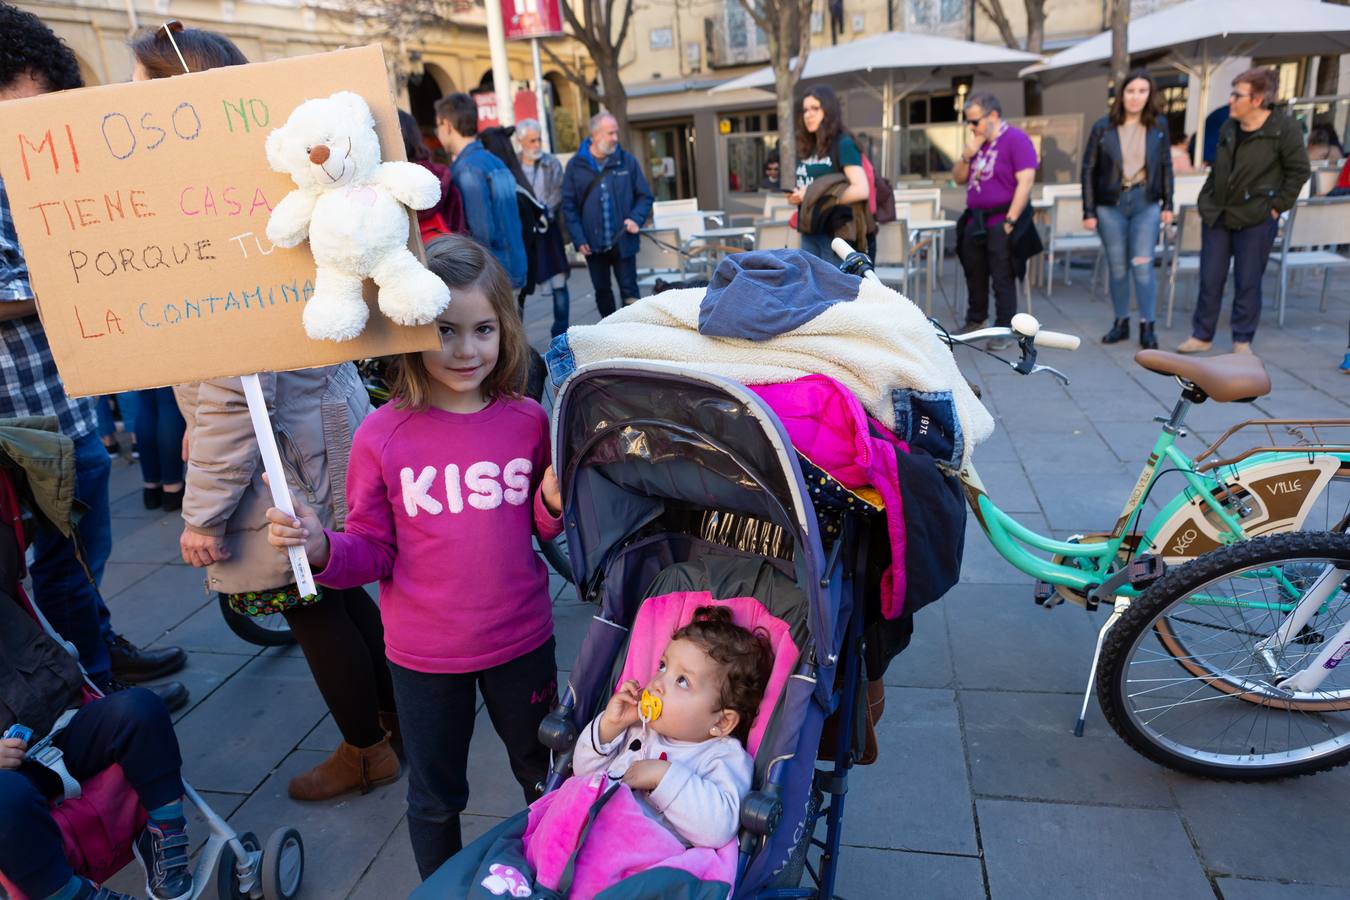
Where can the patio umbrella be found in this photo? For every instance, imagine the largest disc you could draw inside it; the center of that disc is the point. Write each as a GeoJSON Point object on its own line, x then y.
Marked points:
{"type": "Point", "coordinates": [1199, 36]}
{"type": "Point", "coordinates": [914, 57]}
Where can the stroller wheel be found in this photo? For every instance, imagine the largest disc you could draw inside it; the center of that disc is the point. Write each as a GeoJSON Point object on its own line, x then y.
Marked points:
{"type": "Point", "coordinates": [283, 865]}
{"type": "Point", "coordinates": [227, 880]}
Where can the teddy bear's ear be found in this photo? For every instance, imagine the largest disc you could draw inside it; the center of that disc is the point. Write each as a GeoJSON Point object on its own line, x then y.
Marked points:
{"type": "Point", "coordinates": [356, 104]}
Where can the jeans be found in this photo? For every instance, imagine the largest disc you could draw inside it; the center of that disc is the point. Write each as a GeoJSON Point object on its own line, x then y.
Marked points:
{"type": "Point", "coordinates": [819, 245]}
{"type": "Point", "coordinates": [436, 714]}
{"type": "Point", "coordinates": [1129, 233]}
{"type": "Point", "coordinates": [562, 300]}
{"type": "Point", "coordinates": [986, 258]}
{"type": "Point", "coordinates": [600, 263]}
{"type": "Point", "coordinates": [60, 587]}
{"type": "Point", "coordinates": [126, 404]}
{"type": "Point", "coordinates": [1249, 249]}
{"type": "Point", "coordinates": [159, 433]}
{"type": "Point", "coordinates": [130, 728]}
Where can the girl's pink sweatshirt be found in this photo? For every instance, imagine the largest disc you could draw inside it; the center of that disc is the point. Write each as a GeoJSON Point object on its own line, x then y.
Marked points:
{"type": "Point", "coordinates": [441, 509]}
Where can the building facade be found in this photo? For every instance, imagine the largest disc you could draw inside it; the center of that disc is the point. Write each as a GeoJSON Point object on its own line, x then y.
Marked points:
{"type": "Point", "coordinates": [425, 64]}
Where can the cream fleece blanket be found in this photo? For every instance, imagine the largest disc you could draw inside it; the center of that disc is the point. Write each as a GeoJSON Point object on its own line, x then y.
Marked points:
{"type": "Point", "coordinates": [873, 345]}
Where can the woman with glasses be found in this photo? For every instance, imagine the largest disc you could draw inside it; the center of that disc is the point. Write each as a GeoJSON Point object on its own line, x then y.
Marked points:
{"type": "Point", "coordinates": [1259, 168]}
{"type": "Point", "coordinates": [1127, 192]}
{"type": "Point", "coordinates": [824, 147]}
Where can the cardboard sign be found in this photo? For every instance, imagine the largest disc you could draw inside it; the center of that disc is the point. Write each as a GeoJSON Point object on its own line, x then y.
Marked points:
{"type": "Point", "coordinates": [142, 210]}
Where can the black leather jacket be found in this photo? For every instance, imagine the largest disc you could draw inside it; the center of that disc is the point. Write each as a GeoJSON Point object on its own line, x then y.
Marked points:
{"type": "Point", "coordinates": [1102, 167]}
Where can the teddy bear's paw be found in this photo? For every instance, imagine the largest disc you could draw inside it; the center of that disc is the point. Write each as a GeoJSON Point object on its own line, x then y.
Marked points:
{"type": "Point", "coordinates": [416, 298]}
{"type": "Point", "coordinates": [331, 320]}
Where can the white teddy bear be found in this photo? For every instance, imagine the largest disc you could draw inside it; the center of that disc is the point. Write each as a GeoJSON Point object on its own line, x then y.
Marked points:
{"type": "Point", "coordinates": [352, 207]}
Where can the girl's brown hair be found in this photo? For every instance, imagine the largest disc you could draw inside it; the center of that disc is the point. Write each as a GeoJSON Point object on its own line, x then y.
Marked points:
{"type": "Point", "coordinates": [461, 262]}
{"type": "Point", "coordinates": [1152, 111]}
{"type": "Point", "coordinates": [745, 657]}
{"type": "Point", "coordinates": [831, 123]}
{"type": "Point", "coordinates": [201, 50]}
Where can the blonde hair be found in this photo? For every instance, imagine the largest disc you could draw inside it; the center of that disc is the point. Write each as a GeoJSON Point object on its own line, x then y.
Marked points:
{"type": "Point", "coordinates": [461, 262]}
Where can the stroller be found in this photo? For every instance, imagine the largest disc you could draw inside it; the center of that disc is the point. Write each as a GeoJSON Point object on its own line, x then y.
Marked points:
{"type": "Point", "coordinates": [99, 826]}
{"type": "Point", "coordinates": [679, 481]}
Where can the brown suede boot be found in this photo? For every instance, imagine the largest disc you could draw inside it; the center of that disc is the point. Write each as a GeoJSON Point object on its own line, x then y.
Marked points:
{"type": "Point", "coordinates": [389, 722]}
{"type": "Point", "coordinates": [348, 769]}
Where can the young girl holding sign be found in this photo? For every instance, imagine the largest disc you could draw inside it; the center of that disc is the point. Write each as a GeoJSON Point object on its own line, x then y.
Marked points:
{"type": "Point", "coordinates": [446, 483]}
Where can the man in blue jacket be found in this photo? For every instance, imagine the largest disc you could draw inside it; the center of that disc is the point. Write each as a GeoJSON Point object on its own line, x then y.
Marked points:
{"type": "Point", "coordinates": [485, 184]}
{"type": "Point", "coordinates": [605, 200]}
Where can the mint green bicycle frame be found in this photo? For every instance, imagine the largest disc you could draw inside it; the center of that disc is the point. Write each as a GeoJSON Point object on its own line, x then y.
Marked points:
{"type": "Point", "coordinates": [1088, 565]}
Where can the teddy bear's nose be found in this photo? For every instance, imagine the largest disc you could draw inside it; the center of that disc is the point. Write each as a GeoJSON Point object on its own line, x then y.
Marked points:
{"type": "Point", "coordinates": [319, 155]}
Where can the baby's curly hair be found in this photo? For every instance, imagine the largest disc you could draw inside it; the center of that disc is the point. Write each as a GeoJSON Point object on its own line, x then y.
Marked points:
{"type": "Point", "coordinates": [746, 659]}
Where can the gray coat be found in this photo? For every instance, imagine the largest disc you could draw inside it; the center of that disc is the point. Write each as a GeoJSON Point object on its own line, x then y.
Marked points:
{"type": "Point", "coordinates": [314, 415]}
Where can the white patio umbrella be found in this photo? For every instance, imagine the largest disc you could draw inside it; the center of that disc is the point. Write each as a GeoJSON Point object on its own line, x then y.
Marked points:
{"type": "Point", "coordinates": [1201, 35]}
{"type": "Point", "coordinates": [914, 57]}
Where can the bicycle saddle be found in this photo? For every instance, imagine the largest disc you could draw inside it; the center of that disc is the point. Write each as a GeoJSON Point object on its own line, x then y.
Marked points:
{"type": "Point", "coordinates": [1227, 378]}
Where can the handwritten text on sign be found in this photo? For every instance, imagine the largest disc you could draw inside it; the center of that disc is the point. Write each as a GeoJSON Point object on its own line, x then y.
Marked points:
{"type": "Point", "coordinates": [142, 210]}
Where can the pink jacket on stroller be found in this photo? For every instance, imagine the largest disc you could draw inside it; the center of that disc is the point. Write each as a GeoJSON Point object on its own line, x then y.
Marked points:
{"type": "Point", "coordinates": [829, 426]}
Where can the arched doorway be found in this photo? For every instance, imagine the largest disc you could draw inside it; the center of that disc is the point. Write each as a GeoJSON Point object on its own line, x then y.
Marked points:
{"type": "Point", "coordinates": [424, 90]}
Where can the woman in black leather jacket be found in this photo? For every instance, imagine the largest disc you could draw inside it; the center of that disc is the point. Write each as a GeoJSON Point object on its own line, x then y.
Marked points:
{"type": "Point", "coordinates": [1127, 192]}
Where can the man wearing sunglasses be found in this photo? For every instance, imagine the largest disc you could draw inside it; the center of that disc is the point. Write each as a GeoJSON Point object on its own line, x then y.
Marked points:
{"type": "Point", "coordinates": [998, 166]}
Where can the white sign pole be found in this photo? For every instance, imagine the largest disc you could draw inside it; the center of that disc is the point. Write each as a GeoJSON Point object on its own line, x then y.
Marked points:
{"type": "Point", "coordinates": [501, 71]}
{"type": "Point", "coordinates": [276, 476]}
{"type": "Point", "coordinates": [539, 97]}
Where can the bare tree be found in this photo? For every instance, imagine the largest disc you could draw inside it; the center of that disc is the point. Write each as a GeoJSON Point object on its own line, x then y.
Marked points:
{"type": "Point", "coordinates": [1120, 50]}
{"type": "Point", "coordinates": [787, 26]}
{"type": "Point", "coordinates": [1035, 10]}
{"type": "Point", "coordinates": [396, 24]}
{"type": "Point", "coordinates": [597, 34]}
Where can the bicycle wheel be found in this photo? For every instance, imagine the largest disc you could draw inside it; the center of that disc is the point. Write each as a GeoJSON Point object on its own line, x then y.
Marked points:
{"type": "Point", "coordinates": [1183, 681]}
{"type": "Point", "coordinates": [263, 631]}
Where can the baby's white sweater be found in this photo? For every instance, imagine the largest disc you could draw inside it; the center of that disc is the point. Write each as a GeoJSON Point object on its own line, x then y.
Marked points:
{"type": "Point", "coordinates": [699, 797]}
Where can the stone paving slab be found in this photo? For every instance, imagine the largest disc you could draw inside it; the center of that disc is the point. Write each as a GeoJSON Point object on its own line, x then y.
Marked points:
{"type": "Point", "coordinates": [916, 795]}
{"type": "Point", "coordinates": [865, 872]}
{"type": "Point", "coordinates": [1239, 889]}
{"type": "Point", "coordinates": [1021, 745]}
{"type": "Point", "coordinates": [1045, 851]}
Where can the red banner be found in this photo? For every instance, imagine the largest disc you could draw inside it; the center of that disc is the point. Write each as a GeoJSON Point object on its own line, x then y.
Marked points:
{"type": "Point", "coordinates": [531, 19]}
{"type": "Point", "coordinates": [526, 108]}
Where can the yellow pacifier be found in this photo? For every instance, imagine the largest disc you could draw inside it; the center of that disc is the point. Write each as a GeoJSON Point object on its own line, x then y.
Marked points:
{"type": "Point", "coordinates": [649, 707]}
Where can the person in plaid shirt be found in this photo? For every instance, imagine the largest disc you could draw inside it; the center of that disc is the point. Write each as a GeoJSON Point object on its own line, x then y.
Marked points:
{"type": "Point", "coordinates": [35, 61]}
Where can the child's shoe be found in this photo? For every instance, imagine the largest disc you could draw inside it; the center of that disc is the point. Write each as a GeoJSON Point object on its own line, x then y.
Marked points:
{"type": "Point", "coordinates": [162, 851]}
{"type": "Point", "coordinates": [91, 891]}
{"type": "Point", "coordinates": [348, 769]}
{"type": "Point", "coordinates": [1345, 363]}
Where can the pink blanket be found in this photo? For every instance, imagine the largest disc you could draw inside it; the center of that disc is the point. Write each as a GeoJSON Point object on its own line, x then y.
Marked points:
{"type": "Point", "coordinates": [622, 842]}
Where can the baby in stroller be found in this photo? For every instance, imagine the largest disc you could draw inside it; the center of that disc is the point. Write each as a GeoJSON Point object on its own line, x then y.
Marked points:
{"type": "Point", "coordinates": [681, 742]}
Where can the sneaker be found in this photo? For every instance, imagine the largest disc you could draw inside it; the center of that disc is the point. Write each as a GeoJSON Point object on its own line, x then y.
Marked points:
{"type": "Point", "coordinates": [135, 452]}
{"type": "Point", "coordinates": [133, 664]}
{"type": "Point", "coordinates": [999, 343]}
{"type": "Point", "coordinates": [1345, 363]}
{"type": "Point", "coordinates": [1243, 347]}
{"type": "Point", "coordinates": [162, 851]}
{"type": "Point", "coordinates": [968, 327]}
{"type": "Point", "coordinates": [91, 891]}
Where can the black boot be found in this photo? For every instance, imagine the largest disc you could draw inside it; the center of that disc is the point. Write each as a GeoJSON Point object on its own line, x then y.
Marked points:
{"type": "Point", "coordinates": [1147, 339]}
{"type": "Point", "coordinates": [134, 664]}
{"type": "Point", "coordinates": [1120, 331]}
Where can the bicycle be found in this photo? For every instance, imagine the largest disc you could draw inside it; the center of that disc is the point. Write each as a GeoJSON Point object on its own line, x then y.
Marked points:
{"type": "Point", "coordinates": [1208, 529]}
